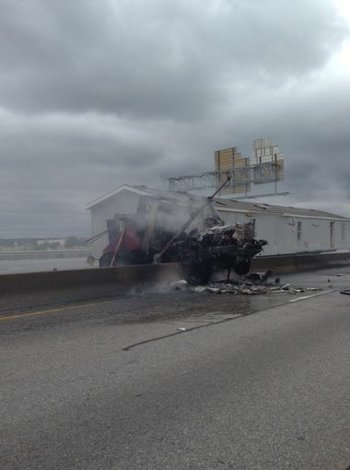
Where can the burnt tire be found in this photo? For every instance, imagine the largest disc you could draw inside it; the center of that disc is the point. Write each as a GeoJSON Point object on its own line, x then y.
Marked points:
{"type": "Point", "coordinates": [242, 267]}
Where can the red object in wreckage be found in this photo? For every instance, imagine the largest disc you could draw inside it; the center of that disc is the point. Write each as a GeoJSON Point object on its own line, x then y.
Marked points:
{"type": "Point", "coordinates": [131, 240]}
{"type": "Point", "coordinates": [127, 243]}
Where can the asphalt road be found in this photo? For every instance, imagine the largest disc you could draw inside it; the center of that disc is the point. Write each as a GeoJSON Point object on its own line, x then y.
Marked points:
{"type": "Point", "coordinates": [179, 381]}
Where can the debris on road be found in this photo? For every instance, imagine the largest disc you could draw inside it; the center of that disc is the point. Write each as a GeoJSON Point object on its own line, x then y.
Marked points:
{"type": "Point", "coordinates": [179, 285]}
{"type": "Point", "coordinates": [243, 288]}
{"type": "Point", "coordinates": [251, 284]}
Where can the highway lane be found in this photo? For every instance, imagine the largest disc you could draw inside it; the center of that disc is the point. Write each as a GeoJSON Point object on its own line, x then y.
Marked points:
{"type": "Point", "coordinates": [260, 391]}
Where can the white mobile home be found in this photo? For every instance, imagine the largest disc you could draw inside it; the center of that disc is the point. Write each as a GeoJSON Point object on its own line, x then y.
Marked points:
{"type": "Point", "coordinates": [289, 229]}
{"type": "Point", "coordinates": [286, 229]}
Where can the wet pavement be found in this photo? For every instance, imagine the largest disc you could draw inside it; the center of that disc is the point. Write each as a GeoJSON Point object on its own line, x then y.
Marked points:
{"type": "Point", "coordinates": [186, 308]}
{"type": "Point", "coordinates": [180, 380]}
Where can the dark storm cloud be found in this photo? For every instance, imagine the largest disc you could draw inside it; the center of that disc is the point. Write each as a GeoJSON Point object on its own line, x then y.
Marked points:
{"type": "Point", "coordinates": [97, 94]}
{"type": "Point", "coordinates": [313, 132]}
{"type": "Point", "coordinates": [152, 58]}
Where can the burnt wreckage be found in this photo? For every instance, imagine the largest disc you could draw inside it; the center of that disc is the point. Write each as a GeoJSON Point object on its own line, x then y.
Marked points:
{"type": "Point", "coordinates": [188, 231]}
{"type": "Point", "coordinates": [220, 247]}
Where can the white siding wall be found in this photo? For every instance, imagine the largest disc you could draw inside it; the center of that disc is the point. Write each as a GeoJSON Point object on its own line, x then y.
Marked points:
{"type": "Point", "coordinates": [281, 232]}
{"type": "Point", "coordinates": [342, 234]}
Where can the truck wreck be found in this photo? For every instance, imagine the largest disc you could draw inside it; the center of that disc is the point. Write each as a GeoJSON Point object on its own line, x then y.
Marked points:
{"type": "Point", "coordinates": [192, 233]}
{"type": "Point", "coordinates": [219, 247]}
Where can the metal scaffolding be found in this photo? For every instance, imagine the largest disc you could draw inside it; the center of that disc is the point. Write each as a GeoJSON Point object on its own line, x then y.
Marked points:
{"type": "Point", "coordinates": [264, 172]}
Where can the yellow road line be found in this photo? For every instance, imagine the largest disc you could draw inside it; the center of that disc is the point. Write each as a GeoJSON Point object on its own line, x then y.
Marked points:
{"type": "Point", "coordinates": [39, 312]}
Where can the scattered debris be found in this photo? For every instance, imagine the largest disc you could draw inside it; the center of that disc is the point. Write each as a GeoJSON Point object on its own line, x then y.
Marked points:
{"type": "Point", "coordinates": [248, 289]}
{"type": "Point", "coordinates": [199, 289]}
{"type": "Point", "coordinates": [233, 288]}
{"type": "Point", "coordinates": [214, 290]}
{"type": "Point", "coordinates": [179, 285]}
{"type": "Point", "coordinates": [251, 284]}
{"type": "Point", "coordinates": [285, 286]}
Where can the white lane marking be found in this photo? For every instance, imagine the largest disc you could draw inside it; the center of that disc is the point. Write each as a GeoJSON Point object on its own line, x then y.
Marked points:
{"type": "Point", "coordinates": [313, 295]}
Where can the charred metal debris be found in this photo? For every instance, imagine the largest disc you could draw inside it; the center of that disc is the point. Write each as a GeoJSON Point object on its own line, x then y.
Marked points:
{"type": "Point", "coordinates": [251, 284]}
{"type": "Point", "coordinates": [229, 247]}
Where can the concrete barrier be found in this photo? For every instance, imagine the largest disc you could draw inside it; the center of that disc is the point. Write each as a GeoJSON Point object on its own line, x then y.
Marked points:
{"type": "Point", "coordinates": [109, 281]}
{"type": "Point", "coordinates": [301, 262]}
{"type": "Point", "coordinates": [278, 264]}
{"type": "Point", "coordinates": [119, 279]}
{"type": "Point", "coordinates": [49, 289]}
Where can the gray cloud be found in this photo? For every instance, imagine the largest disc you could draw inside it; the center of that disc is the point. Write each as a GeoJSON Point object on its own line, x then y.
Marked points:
{"type": "Point", "coordinates": [152, 59]}
{"type": "Point", "coordinates": [97, 94]}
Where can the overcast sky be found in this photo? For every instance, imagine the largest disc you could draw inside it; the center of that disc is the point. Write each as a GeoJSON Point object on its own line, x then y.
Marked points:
{"type": "Point", "coordinates": [97, 93]}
